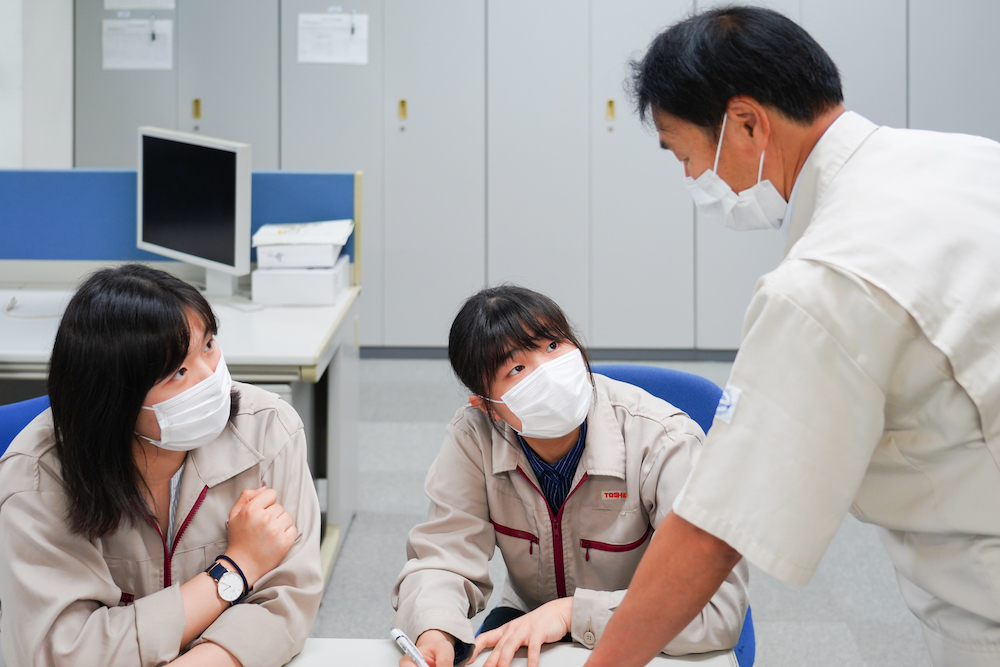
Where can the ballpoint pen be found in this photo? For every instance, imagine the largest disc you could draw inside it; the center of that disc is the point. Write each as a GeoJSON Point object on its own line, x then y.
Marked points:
{"type": "Point", "coordinates": [409, 648]}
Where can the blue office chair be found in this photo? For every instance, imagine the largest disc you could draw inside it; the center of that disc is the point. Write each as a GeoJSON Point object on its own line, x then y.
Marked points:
{"type": "Point", "coordinates": [698, 397]}
{"type": "Point", "coordinates": [15, 416]}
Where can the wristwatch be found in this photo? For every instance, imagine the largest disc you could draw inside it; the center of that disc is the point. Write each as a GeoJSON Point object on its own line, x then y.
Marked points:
{"type": "Point", "coordinates": [232, 586]}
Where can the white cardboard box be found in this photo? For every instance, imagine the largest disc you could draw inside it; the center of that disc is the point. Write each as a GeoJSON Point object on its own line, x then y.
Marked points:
{"type": "Point", "coordinates": [297, 256]}
{"type": "Point", "coordinates": [294, 287]}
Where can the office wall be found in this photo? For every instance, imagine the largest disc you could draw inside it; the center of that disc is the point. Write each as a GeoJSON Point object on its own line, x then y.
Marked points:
{"type": "Point", "coordinates": [36, 83]}
{"type": "Point", "coordinates": [922, 63]}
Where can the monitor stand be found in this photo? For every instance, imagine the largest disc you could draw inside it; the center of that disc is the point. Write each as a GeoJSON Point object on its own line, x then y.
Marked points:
{"type": "Point", "coordinates": [219, 285]}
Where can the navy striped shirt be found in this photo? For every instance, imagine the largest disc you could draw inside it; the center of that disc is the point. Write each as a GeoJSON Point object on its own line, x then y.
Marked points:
{"type": "Point", "coordinates": [556, 478]}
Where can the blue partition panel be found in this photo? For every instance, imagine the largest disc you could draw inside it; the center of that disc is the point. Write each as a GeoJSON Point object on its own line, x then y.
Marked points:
{"type": "Point", "coordinates": [90, 214]}
{"type": "Point", "coordinates": [72, 214]}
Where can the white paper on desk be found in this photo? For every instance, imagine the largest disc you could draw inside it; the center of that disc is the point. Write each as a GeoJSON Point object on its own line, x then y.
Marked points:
{"type": "Point", "coordinates": [326, 232]}
{"type": "Point", "coordinates": [139, 4]}
{"type": "Point", "coordinates": [334, 39]}
{"type": "Point", "coordinates": [130, 43]}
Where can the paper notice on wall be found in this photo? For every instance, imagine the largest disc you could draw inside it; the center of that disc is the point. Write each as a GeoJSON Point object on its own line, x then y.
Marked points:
{"type": "Point", "coordinates": [339, 39]}
{"type": "Point", "coordinates": [138, 43]}
{"type": "Point", "coordinates": [139, 4]}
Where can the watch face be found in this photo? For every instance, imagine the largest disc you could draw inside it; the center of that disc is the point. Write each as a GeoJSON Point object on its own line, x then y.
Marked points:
{"type": "Point", "coordinates": [230, 586]}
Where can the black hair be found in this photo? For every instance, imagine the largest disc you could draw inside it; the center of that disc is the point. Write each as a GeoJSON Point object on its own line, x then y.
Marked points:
{"type": "Point", "coordinates": [498, 321]}
{"type": "Point", "coordinates": [124, 330]}
{"type": "Point", "coordinates": [696, 66]}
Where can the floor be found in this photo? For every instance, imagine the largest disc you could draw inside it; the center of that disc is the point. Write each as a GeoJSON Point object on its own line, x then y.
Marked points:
{"type": "Point", "coordinates": [850, 615]}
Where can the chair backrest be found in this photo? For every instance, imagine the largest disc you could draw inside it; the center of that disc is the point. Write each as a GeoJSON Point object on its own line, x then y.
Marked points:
{"type": "Point", "coordinates": [699, 398]}
{"type": "Point", "coordinates": [15, 416]}
{"type": "Point", "coordinates": [691, 393]}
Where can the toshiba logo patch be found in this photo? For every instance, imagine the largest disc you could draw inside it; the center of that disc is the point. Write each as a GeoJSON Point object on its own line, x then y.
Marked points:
{"type": "Point", "coordinates": [615, 494]}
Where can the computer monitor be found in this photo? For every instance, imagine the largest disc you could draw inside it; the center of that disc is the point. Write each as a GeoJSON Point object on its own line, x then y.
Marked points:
{"type": "Point", "coordinates": [194, 203]}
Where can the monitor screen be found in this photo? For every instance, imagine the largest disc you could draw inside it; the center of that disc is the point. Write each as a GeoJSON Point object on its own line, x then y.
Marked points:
{"type": "Point", "coordinates": [194, 199]}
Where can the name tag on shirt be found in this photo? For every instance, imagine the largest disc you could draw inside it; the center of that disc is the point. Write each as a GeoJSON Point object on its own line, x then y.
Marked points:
{"type": "Point", "coordinates": [727, 404]}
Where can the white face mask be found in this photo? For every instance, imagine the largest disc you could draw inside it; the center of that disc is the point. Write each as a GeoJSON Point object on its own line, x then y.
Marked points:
{"type": "Point", "coordinates": [554, 399]}
{"type": "Point", "coordinates": [759, 207]}
{"type": "Point", "coordinates": [197, 415]}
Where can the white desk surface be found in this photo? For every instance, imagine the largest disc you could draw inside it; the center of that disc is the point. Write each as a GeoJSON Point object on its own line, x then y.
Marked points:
{"type": "Point", "coordinates": [293, 340]}
{"type": "Point", "coordinates": [385, 653]}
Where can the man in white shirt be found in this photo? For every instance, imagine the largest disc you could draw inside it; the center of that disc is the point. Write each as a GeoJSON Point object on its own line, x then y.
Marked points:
{"type": "Point", "coordinates": [868, 378]}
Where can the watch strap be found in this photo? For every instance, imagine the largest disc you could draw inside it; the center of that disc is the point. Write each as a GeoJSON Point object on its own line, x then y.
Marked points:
{"type": "Point", "coordinates": [247, 589]}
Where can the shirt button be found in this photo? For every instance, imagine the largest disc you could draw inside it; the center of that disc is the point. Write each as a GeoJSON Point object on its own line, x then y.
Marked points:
{"type": "Point", "coordinates": [589, 639]}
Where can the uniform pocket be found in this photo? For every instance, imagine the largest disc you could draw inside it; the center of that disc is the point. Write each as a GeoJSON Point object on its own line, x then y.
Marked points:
{"type": "Point", "coordinates": [517, 534]}
{"type": "Point", "coordinates": [587, 545]}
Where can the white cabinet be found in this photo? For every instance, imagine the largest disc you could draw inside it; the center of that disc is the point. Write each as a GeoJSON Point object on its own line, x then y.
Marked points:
{"type": "Point", "coordinates": [867, 41]}
{"type": "Point", "coordinates": [331, 120]}
{"type": "Point", "coordinates": [225, 55]}
{"type": "Point", "coordinates": [110, 105]}
{"type": "Point", "coordinates": [435, 159]}
{"type": "Point", "coordinates": [227, 66]}
{"type": "Point", "coordinates": [642, 227]}
{"type": "Point", "coordinates": [954, 53]}
{"type": "Point", "coordinates": [538, 159]}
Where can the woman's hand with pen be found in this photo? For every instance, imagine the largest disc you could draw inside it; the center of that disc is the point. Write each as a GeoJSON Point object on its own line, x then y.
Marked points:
{"type": "Point", "coordinates": [437, 647]}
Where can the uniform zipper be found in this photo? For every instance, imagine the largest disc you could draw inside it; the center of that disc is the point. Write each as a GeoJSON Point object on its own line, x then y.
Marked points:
{"type": "Point", "coordinates": [617, 548]}
{"type": "Point", "coordinates": [513, 532]}
{"type": "Point", "coordinates": [556, 521]}
{"type": "Point", "coordinates": [168, 553]}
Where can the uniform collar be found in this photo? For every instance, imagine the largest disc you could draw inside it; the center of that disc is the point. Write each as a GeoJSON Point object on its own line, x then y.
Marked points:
{"type": "Point", "coordinates": [603, 453]}
{"type": "Point", "coordinates": [840, 141]}
{"type": "Point", "coordinates": [223, 458]}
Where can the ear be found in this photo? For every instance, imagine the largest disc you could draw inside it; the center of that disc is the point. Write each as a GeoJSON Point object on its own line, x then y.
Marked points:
{"type": "Point", "coordinates": [477, 402]}
{"type": "Point", "coordinates": [752, 123]}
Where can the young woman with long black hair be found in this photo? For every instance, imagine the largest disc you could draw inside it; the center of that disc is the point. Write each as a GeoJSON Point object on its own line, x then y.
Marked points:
{"type": "Point", "coordinates": [158, 512]}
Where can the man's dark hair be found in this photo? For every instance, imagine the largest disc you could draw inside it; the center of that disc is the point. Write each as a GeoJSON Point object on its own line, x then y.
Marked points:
{"type": "Point", "coordinates": [695, 67]}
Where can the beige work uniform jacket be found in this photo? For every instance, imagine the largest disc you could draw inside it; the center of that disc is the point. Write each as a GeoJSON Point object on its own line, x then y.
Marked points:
{"type": "Point", "coordinates": [116, 600]}
{"type": "Point", "coordinates": [484, 494]}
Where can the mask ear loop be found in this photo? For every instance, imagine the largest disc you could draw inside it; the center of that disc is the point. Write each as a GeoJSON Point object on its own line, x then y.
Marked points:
{"type": "Point", "coordinates": [718, 150]}
{"type": "Point", "coordinates": [760, 169]}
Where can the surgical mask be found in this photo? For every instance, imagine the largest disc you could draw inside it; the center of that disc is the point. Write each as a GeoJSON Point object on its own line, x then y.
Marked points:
{"type": "Point", "coordinates": [759, 207]}
{"type": "Point", "coordinates": [197, 415]}
{"type": "Point", "coordinates": [554, 399]}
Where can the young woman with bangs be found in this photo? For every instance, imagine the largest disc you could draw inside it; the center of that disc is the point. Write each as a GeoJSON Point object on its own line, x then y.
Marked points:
{"type": "Point", "coordinates": [566, 472]}
{"type": "Point", "coordinates": [158, 512]}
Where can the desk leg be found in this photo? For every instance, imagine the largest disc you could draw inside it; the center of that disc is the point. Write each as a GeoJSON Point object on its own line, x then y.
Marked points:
{"type": "Point", "coordinates": [343, 401]}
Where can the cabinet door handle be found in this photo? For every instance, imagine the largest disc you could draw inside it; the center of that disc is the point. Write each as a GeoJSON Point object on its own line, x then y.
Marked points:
{"type": "Point", "coordinates": [196, 108]}
{"type": "Point", "coordinates": [402, 110]}
{"type": "Point", "coordinates": [609, 112]}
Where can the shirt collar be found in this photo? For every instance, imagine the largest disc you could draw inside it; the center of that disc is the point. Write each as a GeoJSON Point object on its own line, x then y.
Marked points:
{"type": "Point", "coordinates": [223, 458]}
{"type": "Point", "coordinates": [830, 153]}
{"type": "Point", "coordinates": [564, 467]}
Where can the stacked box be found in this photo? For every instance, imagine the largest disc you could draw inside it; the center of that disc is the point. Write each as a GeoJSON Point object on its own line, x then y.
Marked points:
{"type": "Point", "coordinates": [301, 264]}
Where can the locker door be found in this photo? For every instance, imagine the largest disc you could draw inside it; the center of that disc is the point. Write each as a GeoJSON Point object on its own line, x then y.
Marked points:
{"type": "Point", "coordinates": [228, 60]}
{"type": "Point", "coordinates": [953, 56]}
{"type": "Point", "coordinates": [867, 41]}
{"type": "Point", "coordinates": [642, 263]}
{"type": "Point", "coordinates": [110, 105]}
{"type": "Point", "coordinates": [435, 136]}
{"type": "Point", "coordinates": [538, 100]}
{"type": "Point", "coordinates": [331, 119]}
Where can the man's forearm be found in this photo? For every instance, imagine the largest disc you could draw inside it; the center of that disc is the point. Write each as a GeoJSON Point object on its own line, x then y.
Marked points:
{"type": "Point", "coordinates": [679, 573]}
